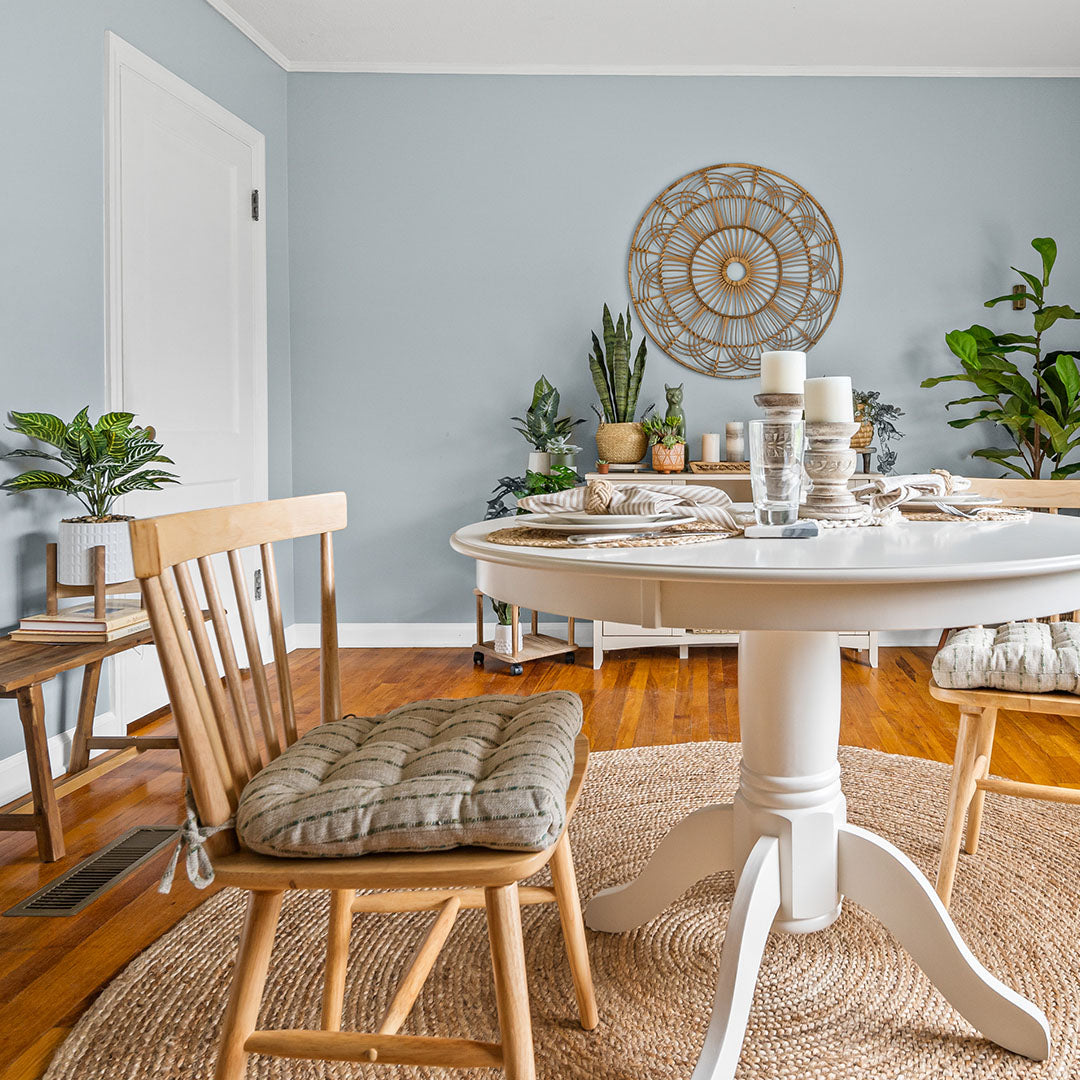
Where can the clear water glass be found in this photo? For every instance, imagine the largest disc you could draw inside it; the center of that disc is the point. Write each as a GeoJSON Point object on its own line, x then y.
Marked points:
{"type": "Point", "coordinates": [776, 469]}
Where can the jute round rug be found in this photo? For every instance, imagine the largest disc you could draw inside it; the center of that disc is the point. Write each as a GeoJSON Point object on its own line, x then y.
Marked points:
{"type": "Point", "coordinates": [843, 1003]}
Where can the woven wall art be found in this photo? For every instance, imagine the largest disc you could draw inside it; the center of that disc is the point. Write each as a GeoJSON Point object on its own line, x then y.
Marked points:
{"type": "Point", "coordinates": [732, 260]}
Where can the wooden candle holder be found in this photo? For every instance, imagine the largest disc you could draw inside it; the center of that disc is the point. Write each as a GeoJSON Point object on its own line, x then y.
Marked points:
{"type": "Point", "coordinates": [780, 406]}
{"type": "Point", "coordinates": [830, 464]}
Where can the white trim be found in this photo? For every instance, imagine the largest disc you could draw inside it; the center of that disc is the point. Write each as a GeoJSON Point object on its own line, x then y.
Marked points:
{"type": "Point", "coordinates": [249, 31]}
{"type": "Point", "coordinates": [15, 773]}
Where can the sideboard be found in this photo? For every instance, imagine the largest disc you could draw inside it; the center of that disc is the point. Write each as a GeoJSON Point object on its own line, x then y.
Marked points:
{"type": "Point", "coordinates": [609, 635]}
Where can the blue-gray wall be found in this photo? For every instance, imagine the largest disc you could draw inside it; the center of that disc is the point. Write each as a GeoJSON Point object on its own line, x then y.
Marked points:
{"type": "Point", "coordinates": [453, 237]}
{"type": "Point", "coordinates": [52, 57]}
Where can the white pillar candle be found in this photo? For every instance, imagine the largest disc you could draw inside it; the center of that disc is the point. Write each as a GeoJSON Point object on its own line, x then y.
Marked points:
{"type": "Point", "coordinates": [736, 441]}
{"type": "Point", "coordinates": [783, 372]}
{"type": "Point", "coordinates": [829, 400]}
{"type": "Point", "coordinates": [710, 447]}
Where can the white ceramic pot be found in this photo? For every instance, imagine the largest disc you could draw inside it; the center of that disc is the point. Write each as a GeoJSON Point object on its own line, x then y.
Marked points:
{"type": "Point", "coordinates": [76, 539]}
{"type": "Point", "coordinates": [540, 462]}
{"type": "Point", "coordinates": [503, 639]}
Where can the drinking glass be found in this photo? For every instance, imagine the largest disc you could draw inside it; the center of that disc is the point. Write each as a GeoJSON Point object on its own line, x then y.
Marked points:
{"type": "Point", "coordinates": [776, 469]}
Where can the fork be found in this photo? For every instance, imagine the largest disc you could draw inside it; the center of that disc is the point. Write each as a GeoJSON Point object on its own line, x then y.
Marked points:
{"type": "Point", "coordinates": [956, 511]}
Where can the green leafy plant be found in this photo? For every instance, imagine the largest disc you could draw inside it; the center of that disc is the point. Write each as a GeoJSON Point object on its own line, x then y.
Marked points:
{"type": "Point", "coordinates": [560, 478]}
{"type": "Point", "coordinates": [615, 382]}
{"type": "Point", "coordinates": [541, 424]}
{"type": "Point", "coordinates": [105, 459]}
{"type": "Point", "coordinates": [870, 407]}
{"type": "Point", "coordinates": [663, 431]}
{"type": "Point", "coordinates": [1038, 404]}
{"type": "Point", "coordinates": [503, 614]}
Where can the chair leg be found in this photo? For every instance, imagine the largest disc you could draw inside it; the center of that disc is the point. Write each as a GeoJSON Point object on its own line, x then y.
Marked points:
{"type": "Point", "coordinates": [961, 788]}
{"type": "Point", "coordinates": [337, 957]}
{"type": "Point", "coordinates": [249, 978]}
{"type": "Point", "coordinates": [984, 749]}
{"type": "Point", "coordinates": [511, 984]}
{"type": "Point", "coordinates": [573, 929]}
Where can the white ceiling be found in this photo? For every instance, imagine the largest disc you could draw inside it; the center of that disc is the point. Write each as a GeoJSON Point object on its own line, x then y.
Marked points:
{"type": "Point", "coordinates": [678, 37]}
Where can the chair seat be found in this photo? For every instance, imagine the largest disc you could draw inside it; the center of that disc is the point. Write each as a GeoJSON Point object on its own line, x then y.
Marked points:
{"type": "Point", "coordinates": [1023, 657]}
{"type": "Point", "coordinates": [490, 771]}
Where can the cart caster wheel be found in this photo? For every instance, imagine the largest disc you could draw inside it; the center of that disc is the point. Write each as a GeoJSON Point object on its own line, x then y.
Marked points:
{"type": "Point", "coordinates": [478, 659]}
{"type": "Point", "coordinates": [570, 658]}
{"type": "Point", "coordinates": [516, 669]}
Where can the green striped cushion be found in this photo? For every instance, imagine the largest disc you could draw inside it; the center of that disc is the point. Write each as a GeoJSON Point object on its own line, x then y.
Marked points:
{"type": "Point", "coordinates": [1028, 658]}
{"type": "Point", "coordinates": [491, 771]}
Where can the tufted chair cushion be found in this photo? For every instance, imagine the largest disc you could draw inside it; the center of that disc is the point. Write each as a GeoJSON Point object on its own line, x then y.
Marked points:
{"type": "Point", "coordinates": [1029, 658]}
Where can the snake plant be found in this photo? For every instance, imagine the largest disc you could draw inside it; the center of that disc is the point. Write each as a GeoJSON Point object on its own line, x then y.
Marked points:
{"type": "Point", "coordinates": [615, 382]}
{"type": "Point", "coordinates": [104, 460]}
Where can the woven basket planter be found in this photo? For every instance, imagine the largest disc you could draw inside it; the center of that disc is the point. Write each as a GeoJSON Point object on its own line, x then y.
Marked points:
{"type": "Point", "coordinates": [621, 444]}
{"type": "Point", "coordinates": [865, 435]}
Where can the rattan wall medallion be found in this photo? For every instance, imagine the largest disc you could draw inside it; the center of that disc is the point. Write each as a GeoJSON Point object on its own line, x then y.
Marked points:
{"type": "Point", "coordinates": [732, 260]}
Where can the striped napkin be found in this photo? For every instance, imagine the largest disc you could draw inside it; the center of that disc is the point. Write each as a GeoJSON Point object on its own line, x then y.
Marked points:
{"type": "Point", "coordinates": [602, 497]}
{"type": "Point", "coordinates": [884, 492]}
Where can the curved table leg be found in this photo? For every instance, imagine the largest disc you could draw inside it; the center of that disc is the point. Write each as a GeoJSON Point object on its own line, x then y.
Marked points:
{"type": "Point", "coordinates": [887, 883]}
{"type": "Point", "coordinates": [700, 845]}
{"type": "Point", "coordinates": [757, 900]}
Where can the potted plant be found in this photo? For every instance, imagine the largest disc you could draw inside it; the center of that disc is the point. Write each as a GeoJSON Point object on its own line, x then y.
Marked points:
{"type": "Point", "coordinates": [542, 426]}
{"type": "Point", "coordinates": [876, 417]}
{"type": "Point", "coordinates": [561, 453]}
{"type": "Point", "coordinates": [1038, 404]}
{"type": "Point", "coordinates": [602, 465]}
{"type": "Point", "coordinates": [618, 438]}
{"type": "Point", "coordinates": [532, 483]}
{"type": "Point", "coordinates": [104, 460]}
{"type": "Point", "coordinates": [668, 443]}
{"type": "Point", "coordinates": [504, 627]}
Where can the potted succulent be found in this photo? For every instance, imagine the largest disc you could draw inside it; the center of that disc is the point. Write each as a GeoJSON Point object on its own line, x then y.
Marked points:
{"type": "Point", "coordinates": [602, 465]}
{"type": "Point", "coordinates": [561, 453]}
{"type": "Point", "coordinates": [876, 417]}
{"type": "Point", "coordinates": [543, 428]}
{"type": "Point", "coordinates": [504, 628]}
{"type": "Point", "coordinates": [668, 443]}
{"type": "Point", "coordinates": [618, 438]}
{"type": "Point", "coordinates": [104, 460]}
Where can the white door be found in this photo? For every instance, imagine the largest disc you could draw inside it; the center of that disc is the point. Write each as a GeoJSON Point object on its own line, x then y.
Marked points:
{"type": "Point", "coordinates": [186, 303]}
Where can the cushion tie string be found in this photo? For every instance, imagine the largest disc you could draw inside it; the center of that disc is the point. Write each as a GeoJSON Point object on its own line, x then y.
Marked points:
{"type": "Point", "coordinates": [193, 836]}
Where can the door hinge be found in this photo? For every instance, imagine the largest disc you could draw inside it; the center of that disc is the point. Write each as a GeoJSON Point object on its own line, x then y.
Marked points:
{"type": "Point", "coordinates": [255, 204]}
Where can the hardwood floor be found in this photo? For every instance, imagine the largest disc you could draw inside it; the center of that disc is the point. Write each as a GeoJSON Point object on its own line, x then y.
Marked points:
{"type": "Point", "coordinates": [51, 969]}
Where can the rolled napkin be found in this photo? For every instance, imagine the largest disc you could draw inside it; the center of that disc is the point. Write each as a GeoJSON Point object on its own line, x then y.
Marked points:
{"type": "Point", "coordinates": [602, 497]}
{"type": "Point", "coordinates": [885, 491]}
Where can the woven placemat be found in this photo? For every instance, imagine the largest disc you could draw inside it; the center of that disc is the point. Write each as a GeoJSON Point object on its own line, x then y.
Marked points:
{"type": "Point", "coordinates": [523, 536]}
{"type": "Point", "coordinates": [984, 514]}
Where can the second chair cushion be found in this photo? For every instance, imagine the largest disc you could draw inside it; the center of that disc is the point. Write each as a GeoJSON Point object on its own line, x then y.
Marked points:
{"type": "Point", "coordinates": [491, 771]}
{"type": "Point", "coordinates": [1029, 658]}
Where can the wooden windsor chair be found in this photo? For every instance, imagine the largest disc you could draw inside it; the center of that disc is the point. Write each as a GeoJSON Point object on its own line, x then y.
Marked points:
{"type": "Point", "coordinates": [971, 778]}
{"type": "Point", "coordinates": [221, 751]}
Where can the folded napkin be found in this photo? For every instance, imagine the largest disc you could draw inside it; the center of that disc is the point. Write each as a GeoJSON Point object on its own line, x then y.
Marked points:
{"type": "Point", "coordinates": [886, 491]}
{"type": "Point", "coordinates": [602, 497]}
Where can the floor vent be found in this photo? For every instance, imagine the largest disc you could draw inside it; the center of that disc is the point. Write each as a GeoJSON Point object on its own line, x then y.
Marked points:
{"type": "Point", "coordinates": [97, 873]}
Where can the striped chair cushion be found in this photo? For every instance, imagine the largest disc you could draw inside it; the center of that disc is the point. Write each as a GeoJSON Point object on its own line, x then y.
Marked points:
{"type": "Point", "coordinates": [1029, 658]}
{"type": "Point", "coordinates": [491, 771]}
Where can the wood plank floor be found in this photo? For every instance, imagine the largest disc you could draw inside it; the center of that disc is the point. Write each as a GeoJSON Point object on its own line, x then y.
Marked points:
{"type": "Point", "coordinates": [51, 969]}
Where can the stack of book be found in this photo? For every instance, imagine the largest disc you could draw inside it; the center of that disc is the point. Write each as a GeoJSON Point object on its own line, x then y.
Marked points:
{"type": "Point", "coordinates": [123, 616]}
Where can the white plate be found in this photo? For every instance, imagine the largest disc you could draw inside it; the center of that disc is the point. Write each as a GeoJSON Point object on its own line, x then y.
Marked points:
{"type": "Point", "coordinates": [927, 502]}
{"type": "Point", "coordinates": [575, 521]}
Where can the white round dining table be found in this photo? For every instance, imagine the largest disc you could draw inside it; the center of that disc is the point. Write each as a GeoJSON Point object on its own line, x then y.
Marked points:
{"type": "Point", "coordinates": [785, 834]}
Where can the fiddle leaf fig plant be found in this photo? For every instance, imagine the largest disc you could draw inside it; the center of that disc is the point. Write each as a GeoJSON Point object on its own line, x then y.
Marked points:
{"type": "Point", "coordinates": [104, 459]}
{"type": "Point", "coordinates": [1034, 396]}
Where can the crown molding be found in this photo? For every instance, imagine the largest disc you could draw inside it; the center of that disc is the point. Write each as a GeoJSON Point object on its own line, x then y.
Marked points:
{"type": "Point", "coordinates": [264, 43]}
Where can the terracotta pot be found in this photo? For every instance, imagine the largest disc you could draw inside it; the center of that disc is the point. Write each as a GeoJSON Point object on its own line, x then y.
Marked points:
{"type": "Point", "coordinates": [603, 467]}
{"type": "Point", "coordinates": [75, 541]}
{"type": "Point", "coordinates": [667, 459]}
{"type": "Point", "coordinates": [622, 444]}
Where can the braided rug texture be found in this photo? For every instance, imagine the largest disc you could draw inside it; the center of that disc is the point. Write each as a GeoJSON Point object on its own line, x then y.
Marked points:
{"type": "Point", "coordinates": [846, 1002]}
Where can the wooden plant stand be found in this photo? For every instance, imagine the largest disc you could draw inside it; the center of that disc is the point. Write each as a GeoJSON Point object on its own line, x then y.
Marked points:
{"type": "Point", "coordinates": [534, 646]}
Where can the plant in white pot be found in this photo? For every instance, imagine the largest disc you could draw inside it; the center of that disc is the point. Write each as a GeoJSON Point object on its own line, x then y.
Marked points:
{"type": "Point", "coordinates": [104, 460]}
{"type": "Point", "coordinates": [544, 430]}
{"type": "Point", "coordinates": [504, 629]}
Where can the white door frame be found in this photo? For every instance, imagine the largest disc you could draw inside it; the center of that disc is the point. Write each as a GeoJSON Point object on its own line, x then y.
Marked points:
{"type": "Point", "coordinates": [119, 55]}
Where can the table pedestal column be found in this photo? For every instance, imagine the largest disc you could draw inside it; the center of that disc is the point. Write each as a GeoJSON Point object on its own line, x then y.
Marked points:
{"type": "Point", "coordinates": [786, 838]}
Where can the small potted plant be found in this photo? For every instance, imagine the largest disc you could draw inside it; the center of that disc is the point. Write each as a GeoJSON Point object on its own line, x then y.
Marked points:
{"type": "Point", "coordinates": [543, 428]}
{"type": "Point", "coordinates": [504, 628]}
{"type": "Point", "coordinates": [876, 417]}
{"type": "Point", "coordinates": [602, 465]}
{"type": "Point", "coordinates": [618, 438]}
{"type": "Point", "coordinates": [104, 460]}
{"type": "Point", "coordinates": [668, 443]}
{"type": "Point", "coordinates": [561, 453]}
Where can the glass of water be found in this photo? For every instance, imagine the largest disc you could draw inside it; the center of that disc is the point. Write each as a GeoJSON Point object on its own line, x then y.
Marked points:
{"type": "Point", "coordinates": [776, 469]}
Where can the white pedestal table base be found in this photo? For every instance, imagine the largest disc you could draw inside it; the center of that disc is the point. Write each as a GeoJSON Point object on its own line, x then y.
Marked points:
{"type": "Point", "coordinates": [794, 856]}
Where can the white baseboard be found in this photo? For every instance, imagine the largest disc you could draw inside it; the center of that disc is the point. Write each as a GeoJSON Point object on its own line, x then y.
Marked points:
{"type": "Point", "coordinates": [461, 634]}
{"type": "Point", "coordinates": [15, 774]}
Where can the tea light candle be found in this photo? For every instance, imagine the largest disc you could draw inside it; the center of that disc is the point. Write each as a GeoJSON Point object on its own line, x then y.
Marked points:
{"type": "Point", "coordinates": [736, 441]}
{"type": "Point", "coordinates": [783, 372]}
{"type": "Point", "coordinates": [710, 447]}
{"type": "Point", "coordinates": [828, 400]}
